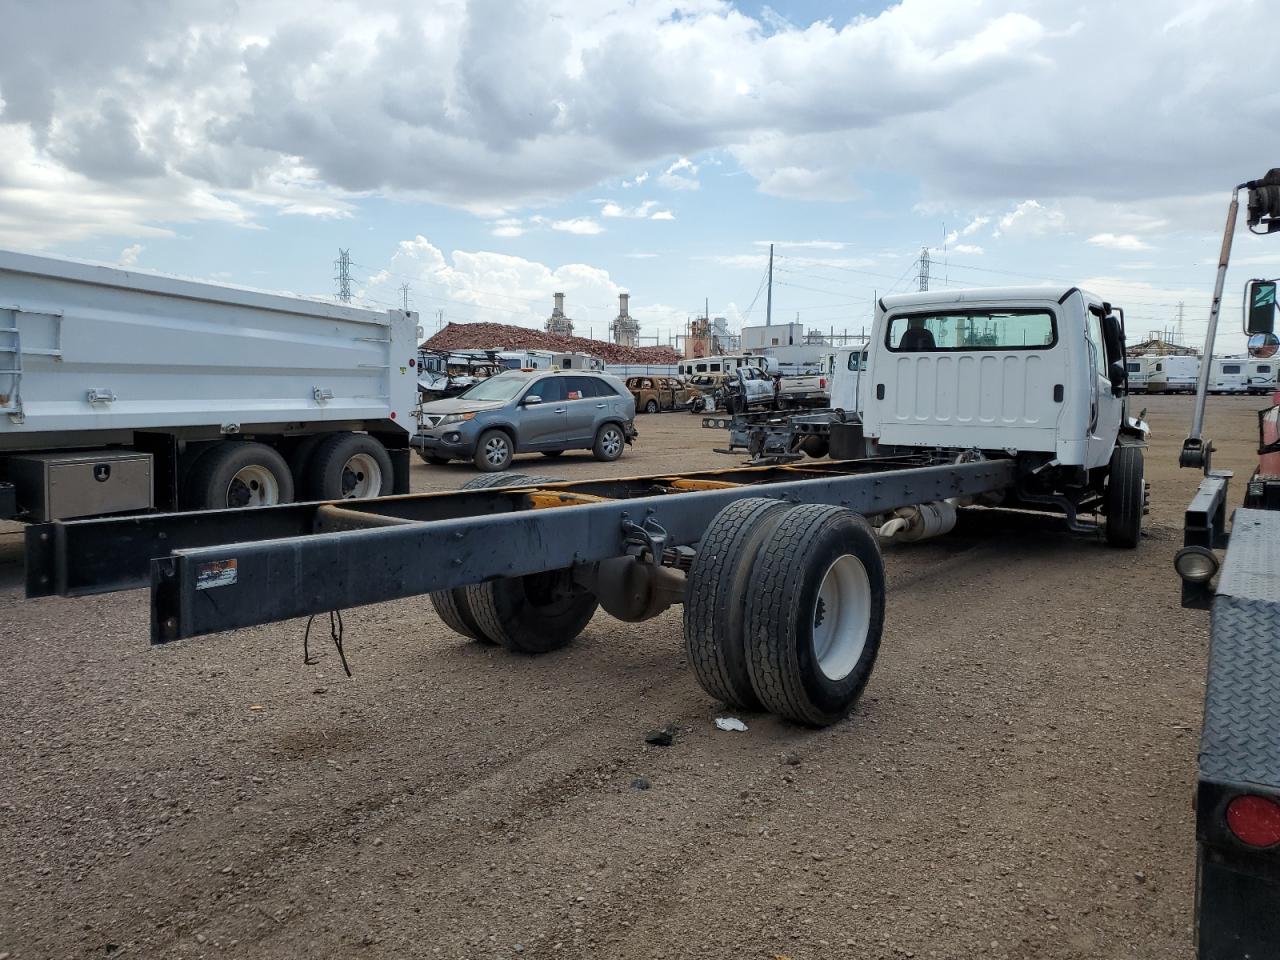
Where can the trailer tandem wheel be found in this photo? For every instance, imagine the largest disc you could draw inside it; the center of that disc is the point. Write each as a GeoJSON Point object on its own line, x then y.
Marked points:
{"type": "Point", "coordinates": [238, 473]}
{"type": "Point", "coordinates": [815, 613]}
{"type": "Point", "coordinates": [714, 604]}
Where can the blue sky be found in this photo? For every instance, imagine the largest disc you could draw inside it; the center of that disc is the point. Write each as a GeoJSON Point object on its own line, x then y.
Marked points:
{"type": "Point", "coordinates": [490, 152]}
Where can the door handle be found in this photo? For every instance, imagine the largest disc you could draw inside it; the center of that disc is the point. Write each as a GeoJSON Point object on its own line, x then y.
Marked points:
{"type": "Point", "coordinates": [600, 406]}
{"type": "Point", "coordinates": [561, 409]}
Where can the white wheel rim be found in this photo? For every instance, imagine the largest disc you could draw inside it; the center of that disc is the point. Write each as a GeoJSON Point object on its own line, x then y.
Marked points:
{"type": "Point", "coordinates": [841, 617]}
{"type": "Point", "coordinates": [253, 486]}
{"type": "Point", "coordinates": [495, 451]}
{"type": "Point", "coordinates": [361, 478]}
{"type": "Point", "coordinates": [611, 442]}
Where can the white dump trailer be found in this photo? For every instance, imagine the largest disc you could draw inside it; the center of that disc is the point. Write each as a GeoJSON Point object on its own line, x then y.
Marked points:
{"type": "Point", "coordinates": [122, 391]}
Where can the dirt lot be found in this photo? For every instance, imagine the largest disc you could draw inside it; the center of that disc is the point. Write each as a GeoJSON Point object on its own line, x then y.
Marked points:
{"type": "Point", "coordinates": [1016, 782]}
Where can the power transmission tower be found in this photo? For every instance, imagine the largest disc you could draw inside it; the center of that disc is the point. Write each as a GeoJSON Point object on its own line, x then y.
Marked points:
{"type": "Point", "coordinates": [404, 296]}
{"type": "Point", "coordinates": [768, 303]}
{"type": "Point", "coordinates": [343, 267]}
{"type": "Point", "coordinates": [1180, 306]}
{"type": "Point", "coordinates": [924, 269]}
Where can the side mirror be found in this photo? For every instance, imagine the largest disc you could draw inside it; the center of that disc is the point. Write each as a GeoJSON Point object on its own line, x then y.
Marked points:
{"type": "Point", "coordinates": [1117, 374]}
{"type": "Point", "coordinates": [531, 400]}
{"type": "Point", "coordinates": [1260, 306]}
{"type": "Point", "coordinates": [1263, 346]}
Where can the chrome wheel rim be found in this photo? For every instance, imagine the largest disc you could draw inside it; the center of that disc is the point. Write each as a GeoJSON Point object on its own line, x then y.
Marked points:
{"type": "Point", "coordinates": [253, 486]}
{"type": "Point", "coordinates": [495, 451]}
{"type": "Point", "coordinates": [611, 442]}
{"type": "Point", "coordinates": [361, 477]}
{"type": "Point", "coordinates": [841, 617]}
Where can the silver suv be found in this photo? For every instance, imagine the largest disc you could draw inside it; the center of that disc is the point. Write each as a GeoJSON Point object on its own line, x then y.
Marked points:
{"type": "Point", "coordinates": [519, 411]}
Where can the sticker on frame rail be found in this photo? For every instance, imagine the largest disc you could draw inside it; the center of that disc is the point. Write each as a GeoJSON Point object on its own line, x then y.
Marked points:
{"type": "Point", "coordinates": [216, 573]}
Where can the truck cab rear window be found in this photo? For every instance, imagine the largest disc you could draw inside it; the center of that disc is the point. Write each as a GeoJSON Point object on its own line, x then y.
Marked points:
{"type": "Point", "coordinates": [978, 330]}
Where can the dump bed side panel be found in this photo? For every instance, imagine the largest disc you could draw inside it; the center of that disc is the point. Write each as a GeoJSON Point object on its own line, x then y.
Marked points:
{"type": "Point", "coordinates": [96, 348]}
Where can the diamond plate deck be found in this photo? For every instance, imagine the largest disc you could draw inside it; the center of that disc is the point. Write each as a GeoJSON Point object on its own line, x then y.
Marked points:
{"type": "Point", "coordinates": [1241, 738]}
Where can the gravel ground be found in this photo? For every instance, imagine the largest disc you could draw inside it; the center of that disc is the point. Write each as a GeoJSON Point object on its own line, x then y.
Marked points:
{"type": "Point", "coordinates": [1016, 783]}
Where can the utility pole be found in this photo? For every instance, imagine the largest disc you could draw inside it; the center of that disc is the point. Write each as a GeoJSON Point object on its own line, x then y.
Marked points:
{"type": "Point", "coordinates": [768, 303]}
{"type": "Point", "coordinates": [404, 296]}
{"type": "Point", "coordinates": [924, 269]}
{"type": "Point", "coordinates": [343, 275]}
{"type": "Point", "coordinates": [1180, 307]}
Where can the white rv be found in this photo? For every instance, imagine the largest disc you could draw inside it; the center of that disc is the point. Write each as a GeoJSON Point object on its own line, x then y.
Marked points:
{"type": "Point", "coordinates": [1172, 374]}
{"type": "Point", "coordinates": [1262, 375]}
{"type": "Point", "coordinates": [1229, 375]}
{"type": "Point", "coordinates": [1138, 369]}
{"type": "Point", "coordinates": [726, 364]}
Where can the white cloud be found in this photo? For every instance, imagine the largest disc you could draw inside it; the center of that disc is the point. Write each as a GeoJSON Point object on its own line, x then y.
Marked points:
{"type": "Point", "coordinates": [508, 227]}
{"type": "Point", "coordinates": [583, 226]}
{"type": "Point", "coordinates": [129, 255]}
{"type": "Point", "coordinates": [969, 249]}
{"type": "Point", "coordinates": [802, 244]}
{"type": "Point", "coordinates": [1031, 219]}
{"type": "Point", "coordinates": [663, 215]}
{"type": "Point", "coordinates": [204, 110]}
{"type": "Point", "coordinates": [681, 175]}
{"type": "Point", "coordinates": [476, 286]}
{"type": "Point", "coordinates": [1119, 241]}
{"type": "Point", "coordinates": [643, 211]}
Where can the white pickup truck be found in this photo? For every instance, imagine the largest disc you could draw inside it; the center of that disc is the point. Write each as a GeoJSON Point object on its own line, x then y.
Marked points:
{"type": "Point", "coordinates": [1036, 374]}
{"type": "Point", "coordinates": [123, 392]}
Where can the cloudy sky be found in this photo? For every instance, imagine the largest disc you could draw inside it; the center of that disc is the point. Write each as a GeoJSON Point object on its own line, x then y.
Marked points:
{"type": "Point", "coordinates": [490, 152]}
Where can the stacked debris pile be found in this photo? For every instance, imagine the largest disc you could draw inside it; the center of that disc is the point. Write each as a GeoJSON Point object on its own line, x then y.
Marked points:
{"type": "Point", "coordinates": [501, 336]}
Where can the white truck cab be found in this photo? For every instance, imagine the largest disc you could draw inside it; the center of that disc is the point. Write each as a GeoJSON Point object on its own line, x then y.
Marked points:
{"type": "Point", "coordinates": [1037, 372]}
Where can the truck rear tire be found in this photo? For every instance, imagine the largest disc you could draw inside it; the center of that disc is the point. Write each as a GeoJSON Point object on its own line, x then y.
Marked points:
{"type": "Point", "coordinates": [349, 466]}
{"type": "Point", "coordinates": [651, 406]}
{"type": "Point", "coordinates": [532, 614]}
{"type": "Point", "coordinates": [454, 609]}
{"type": "Point", "coordinates": [713, 610]}
{"type": "Point", "coordinates": [452, 606]}
{"type": "Point", "coordinates": [1126, 497]}
{"type": "Point", "coordinates": [494, 451]}
{"type": "Point", "coordinates": [815, 613]}
{"type": "Point", "coordinates": [238, 473]}
{"type": "Point", "coordinates": [506, 479]}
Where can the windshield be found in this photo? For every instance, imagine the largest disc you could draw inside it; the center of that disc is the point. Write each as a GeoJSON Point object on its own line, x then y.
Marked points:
{"type": "Point", "coordinates": [500, 387]}
{"type": "Point", "coordinates": [972, 330]}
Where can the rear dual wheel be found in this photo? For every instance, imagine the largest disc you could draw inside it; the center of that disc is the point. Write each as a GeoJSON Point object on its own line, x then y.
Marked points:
{"type": "Point", "coordinates": [531, 614]}
{"type": "Point", "coordinates": [785, 609]}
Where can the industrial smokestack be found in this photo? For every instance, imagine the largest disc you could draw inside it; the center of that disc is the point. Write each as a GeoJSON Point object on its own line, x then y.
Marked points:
{"type": "Point", "coordinates": [623, 300]}
{"type": "Point", "coordinates": [559, 304]}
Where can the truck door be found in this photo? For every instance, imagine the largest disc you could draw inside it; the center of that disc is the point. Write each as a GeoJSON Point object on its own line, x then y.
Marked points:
{"type": "Point", "coordinates": [1105, 409]}
{"type": "Point", "coordinates": [542, 425]}
{"type": "Point", "coordinates": [584, 408]}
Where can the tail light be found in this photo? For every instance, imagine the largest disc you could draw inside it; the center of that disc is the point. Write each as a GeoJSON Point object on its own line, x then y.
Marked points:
{"type": "Point", "coordinates": [822, 383]}
{"type": "Point", "coordinates": [1254, 820]}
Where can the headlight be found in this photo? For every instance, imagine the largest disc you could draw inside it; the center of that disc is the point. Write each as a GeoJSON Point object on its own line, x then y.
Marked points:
{"type": "Point", "coordinates": [456, 418]}
{"type": "Point", "coordinates": [1196, 564]}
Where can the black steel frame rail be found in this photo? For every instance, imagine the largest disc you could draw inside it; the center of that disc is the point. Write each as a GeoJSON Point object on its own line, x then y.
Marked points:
{"type": "Point", "coordinates": [270, 564]}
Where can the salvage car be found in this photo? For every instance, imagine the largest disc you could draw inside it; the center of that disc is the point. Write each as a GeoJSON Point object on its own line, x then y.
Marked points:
{"type": "Point", "coordinates": [652, 394]}
{"type": "Point", "coordinates": [528, 411]}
